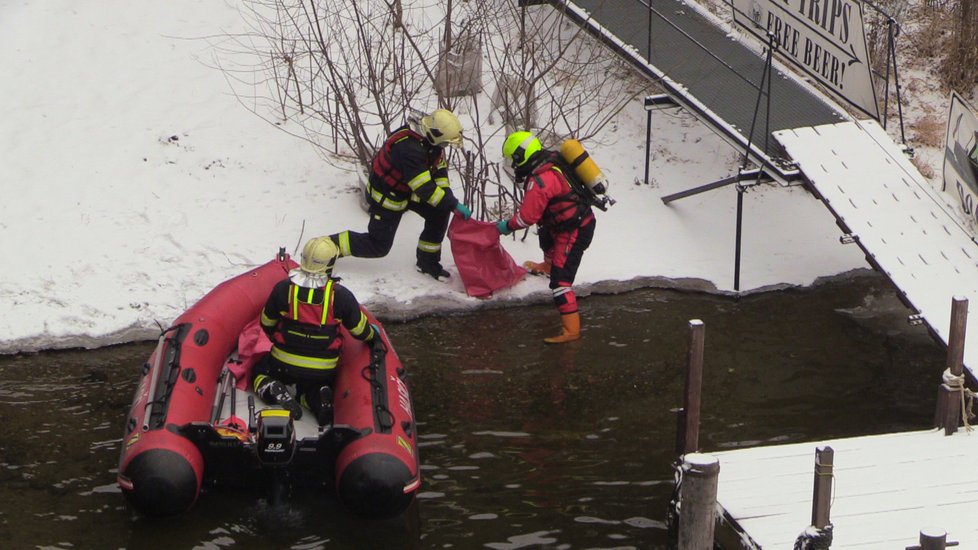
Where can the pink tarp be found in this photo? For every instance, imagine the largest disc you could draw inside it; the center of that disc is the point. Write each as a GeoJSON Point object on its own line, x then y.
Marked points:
{"type": "Point", "coordinates": [482, 262]}
{"type": "Point", "coordinates": [252, 346]}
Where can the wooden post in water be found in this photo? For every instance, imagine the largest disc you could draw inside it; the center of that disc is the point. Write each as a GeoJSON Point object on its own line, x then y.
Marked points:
{"type": "Point", "coordinates": [688, 429]}
{"type": "Point", "coordinates": [948, 414]}
{"type": "Point", "coordinates": [819, 533]}
{"type": "Point", "coordinates": [698, 501]}
{"type": "Point", "coordinates": [822, 492]}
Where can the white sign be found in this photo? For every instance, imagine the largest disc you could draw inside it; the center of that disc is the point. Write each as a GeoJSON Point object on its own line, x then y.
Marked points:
{"type": "Point", "coordinates": [824, 38]}
{"type": "Point", "coordinates": [961, 154]}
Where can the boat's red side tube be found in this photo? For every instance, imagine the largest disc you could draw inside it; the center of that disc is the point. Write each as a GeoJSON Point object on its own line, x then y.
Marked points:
{"type": "Point", "coordinates": [377, 474]}
{"type": "Point", "coordinates": [160, 471]}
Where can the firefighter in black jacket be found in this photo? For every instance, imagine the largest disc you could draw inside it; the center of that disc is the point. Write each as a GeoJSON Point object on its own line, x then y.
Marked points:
{"type": "Point", "coordinates": [302, 318]}
{"type": "Point", "coordinates": [409, 172]}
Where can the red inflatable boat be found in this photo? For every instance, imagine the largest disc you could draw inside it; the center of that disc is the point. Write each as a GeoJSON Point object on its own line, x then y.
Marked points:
{"type": "Point", "coordinates": [193, 423]}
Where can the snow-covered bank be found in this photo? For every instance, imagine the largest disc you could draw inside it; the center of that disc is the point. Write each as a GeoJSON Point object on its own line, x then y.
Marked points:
{"type": "Point", "coordinates": [134, 182]}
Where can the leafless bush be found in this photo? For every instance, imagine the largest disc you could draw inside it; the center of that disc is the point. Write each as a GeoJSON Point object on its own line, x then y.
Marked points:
{"type": "Point", "coordinates": [929, 39]}
{"type": "Point", "coordinates": [961, 63]}
{"type": "Point", "coordinates": [345, 72]}
{"type": "Point", "coordinates": [348, 73]}
{"type": "Point", "coordinates": [547, 76]}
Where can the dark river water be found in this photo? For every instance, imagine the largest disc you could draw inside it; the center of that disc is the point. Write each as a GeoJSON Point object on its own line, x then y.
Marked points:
{"type": "Point", "coordinates": [522, 445]}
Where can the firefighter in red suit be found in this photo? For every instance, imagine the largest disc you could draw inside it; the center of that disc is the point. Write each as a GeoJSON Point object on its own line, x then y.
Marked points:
{"type": "Point", "coordinates": [565, 224]}
{"type": "Point", "coordinates": [302, 318]}
{"type": "Point", "coordinates": [409, 172]}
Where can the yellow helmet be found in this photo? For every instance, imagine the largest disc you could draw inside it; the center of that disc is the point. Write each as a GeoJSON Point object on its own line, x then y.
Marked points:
{"type": "Point", "coordinates": [442, 127]}
{"type": "Point", "coordinates": [520, 146]}
{"type": "Point", "coordinates": [319, 255]}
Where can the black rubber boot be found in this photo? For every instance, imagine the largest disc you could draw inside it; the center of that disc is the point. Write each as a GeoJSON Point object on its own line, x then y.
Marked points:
{"type": "Point", "coordinates": [429, 263]}
{"type": "Point", "coordinates": [276, 393]}
{"type": "Point", "coordinates": [436, 271]}
{"type": "Point", "coordinates": [325, 414]}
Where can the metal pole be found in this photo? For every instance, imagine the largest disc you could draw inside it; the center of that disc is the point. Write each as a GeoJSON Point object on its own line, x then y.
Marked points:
{"type": "Point", "coordinates": [648, 122]}
{"type": "Point", "coordinates": [740, 224]}
{"type": "Point", "coordinates": [765, 79]}
{"type": "Point", "coordinates": [886, 82]}
{"type": "Point", "coordinates": [702, 189]}
{"type": "Point", "coordinates": [648, 144]}
{"type": "Point", "coordinates": [698, 501]}
{"type": "Point", "coordinates": [648, 56]}
{"type": "Point", "coordinates": [767, 108]}
{"type": "Point", "coordinates": [896, 88]}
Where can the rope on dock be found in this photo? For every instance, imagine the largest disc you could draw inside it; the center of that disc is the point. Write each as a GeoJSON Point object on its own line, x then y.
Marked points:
{"type": "Point", "coordinates": [956, 382]}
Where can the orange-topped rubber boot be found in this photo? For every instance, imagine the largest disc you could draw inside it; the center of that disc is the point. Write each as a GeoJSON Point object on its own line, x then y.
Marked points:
{"type": "Point", "coordinates": [571, 329]}
{"type": "Point", "coordinates": [542, 268]}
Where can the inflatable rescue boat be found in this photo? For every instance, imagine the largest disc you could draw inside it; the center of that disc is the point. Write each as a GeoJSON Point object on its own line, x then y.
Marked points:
{"type": "Point", "coordinates": [194, 421]}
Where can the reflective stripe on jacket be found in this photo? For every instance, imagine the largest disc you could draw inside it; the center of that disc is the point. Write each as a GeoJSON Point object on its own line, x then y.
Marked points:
{"type": "Point", "coordinates": [305, 333]}
{"type": "Point", "coordinates": [407, 168]}
{"type": "Point", "coordinates": [303, 323]}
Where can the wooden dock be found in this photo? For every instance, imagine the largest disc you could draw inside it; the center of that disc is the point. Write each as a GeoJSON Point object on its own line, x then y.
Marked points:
{"type": "Point", "coordinates": [887, 488]}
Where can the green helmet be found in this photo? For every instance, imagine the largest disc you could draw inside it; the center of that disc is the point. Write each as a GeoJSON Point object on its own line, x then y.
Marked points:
{"type": "Point", "coordinates": [319, 255]}
{"type": "Point", "coordinates": [520, 146]}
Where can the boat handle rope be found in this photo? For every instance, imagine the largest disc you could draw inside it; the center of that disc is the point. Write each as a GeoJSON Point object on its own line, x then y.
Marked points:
{"type": "Point", "coordinates": [155, 370]}
{"type": "Point", "coordinates": [173, 367]}
{"type": "Point", "coordinates": [383, 415]}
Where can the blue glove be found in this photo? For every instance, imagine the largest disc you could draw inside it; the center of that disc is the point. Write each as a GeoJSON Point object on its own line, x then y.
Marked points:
{"type": "Point", "coordinates": [464, 211]}
{"type": "Point", "coordinates": [376, 337]}
{"type": "Point", "coordinates": [503, 227]}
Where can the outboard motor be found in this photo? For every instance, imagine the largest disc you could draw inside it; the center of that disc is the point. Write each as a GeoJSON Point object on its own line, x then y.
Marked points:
{"type": "Point", "coordinates": [276, 447]}
{"type": "Point", "coordinates": [276, 437]}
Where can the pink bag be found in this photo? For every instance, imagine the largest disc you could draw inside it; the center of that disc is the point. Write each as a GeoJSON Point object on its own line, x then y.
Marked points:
{"type": "Point", "coordinates": [482, 262]}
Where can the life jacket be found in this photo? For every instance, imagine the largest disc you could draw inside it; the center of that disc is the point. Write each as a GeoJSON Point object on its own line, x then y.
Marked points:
{"type": "Point", "coordinates": [565, 211]}
{"type": "Point", "coordinates": [308, 335]}
{"type": "Point", "coordinates": [385, 175]}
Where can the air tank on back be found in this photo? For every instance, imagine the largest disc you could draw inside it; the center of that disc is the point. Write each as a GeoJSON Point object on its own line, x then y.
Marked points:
{"type": "Point", "coordinates": [584, 166]}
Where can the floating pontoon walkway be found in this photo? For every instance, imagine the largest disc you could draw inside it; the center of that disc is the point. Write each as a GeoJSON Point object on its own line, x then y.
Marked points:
{"type": "Point", "coordinates": [887, 488]}
{"type": "Point", "coordinates": [906, 230]}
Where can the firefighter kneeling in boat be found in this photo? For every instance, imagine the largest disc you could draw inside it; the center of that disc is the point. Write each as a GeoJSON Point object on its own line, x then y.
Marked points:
{"type": "Point", "coordinates": [302, 318]}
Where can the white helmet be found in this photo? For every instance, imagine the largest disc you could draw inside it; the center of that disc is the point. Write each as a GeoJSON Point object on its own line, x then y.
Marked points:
{"type": "Point", "coordinates": [319, 255]}
{"type": "Point", "coordinates": [442, 127]}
